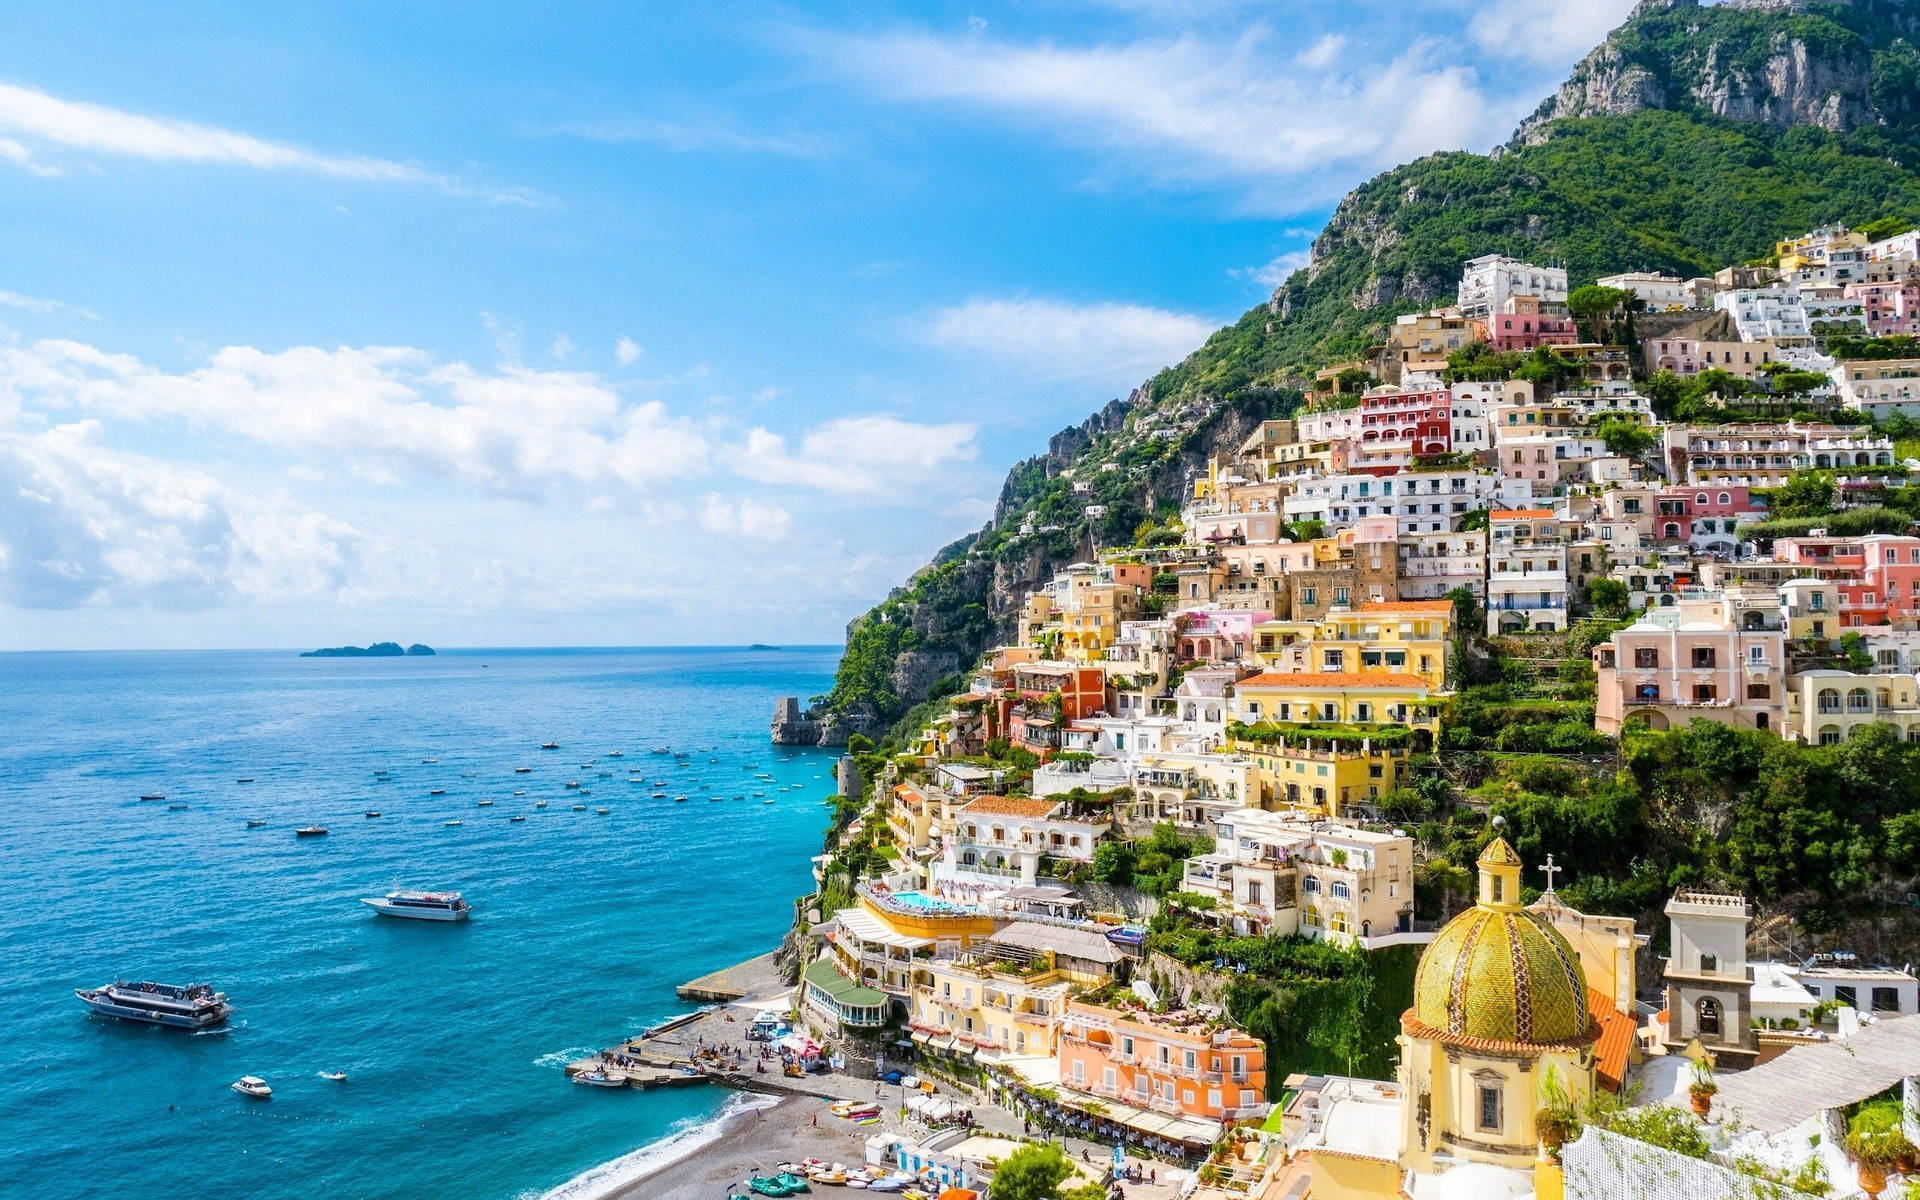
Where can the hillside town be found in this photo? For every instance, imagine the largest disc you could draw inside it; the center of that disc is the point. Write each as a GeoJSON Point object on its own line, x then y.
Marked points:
{"type": "Point", "coordinates": [1652, 502]}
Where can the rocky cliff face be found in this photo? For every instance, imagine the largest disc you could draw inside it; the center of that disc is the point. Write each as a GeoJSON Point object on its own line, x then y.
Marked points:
{"type": "Point", "coordinates": [1835, 66]}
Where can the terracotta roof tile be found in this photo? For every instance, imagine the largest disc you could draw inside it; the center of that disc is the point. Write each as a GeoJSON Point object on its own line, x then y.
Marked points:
{"type": "Point", "coordinates": [1616, 1041]}
{"type": "Point", "coordinates": [1011, 806]}
{"type": "Point", "coordinates": [1334, 679]}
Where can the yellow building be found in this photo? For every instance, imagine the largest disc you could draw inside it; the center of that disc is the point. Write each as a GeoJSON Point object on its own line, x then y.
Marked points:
{"type": "Point", "coordinates": [1407, 637]}
{"type": "Point", "coordinates": [1499, 1001]}
{"type": "Point", "coordinates": [1036, 614]}
{"type": "Point", "coordinates": [1336, 698]}
{"type": "Point", "coordinates": [994, 1007]}
{"type": "Point", "coordinates": [889, 942]}
{"type": "Point", "coordinates": [1304, 772]}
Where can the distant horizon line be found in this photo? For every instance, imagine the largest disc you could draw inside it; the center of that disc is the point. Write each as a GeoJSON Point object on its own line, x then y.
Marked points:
{"type": "Point", "coordinates": [437, 650]}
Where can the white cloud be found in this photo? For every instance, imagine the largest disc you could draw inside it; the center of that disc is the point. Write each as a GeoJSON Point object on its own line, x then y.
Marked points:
{"type": "Point", "coordinates": [1276, 271]}
{"type": "Point", "coordinates": [1550, 32]}
{"type": "Point", "coordinates": [84, 524]}
{"type": "Point", "coordinates": [744, 518]}
{"type": "Point", "coordinates": [1189, 109]}
{"type": "Point", "coordinates": [626, 351]}
{"type": "Point", "coordinates": [868, 456]}
{"type": "Point", "coordinates": [706, 134]}
{"type": "Point", "coordinates": [1322, 54]}
{"type": "Point", "coordinates": [43, 307]}
{"type": "Point", "coordinates": [1057, 339]}
{"type": "Point", "coordinates": [562, 348]}
{"type": "Point", "coordinates": [506, 431]}
{"type": "Point", "coordinates": [35, 122]}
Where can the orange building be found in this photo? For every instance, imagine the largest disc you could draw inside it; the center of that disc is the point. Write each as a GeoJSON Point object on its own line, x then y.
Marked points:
{"type": "Point", "coordinates": [1169, 1063]}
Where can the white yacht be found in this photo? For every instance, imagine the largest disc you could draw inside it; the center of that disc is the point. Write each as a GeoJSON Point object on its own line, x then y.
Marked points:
{"type": "Point", "coordinates": [194, 1006]}
{"type": "Point", "coordinates": [421, 906]}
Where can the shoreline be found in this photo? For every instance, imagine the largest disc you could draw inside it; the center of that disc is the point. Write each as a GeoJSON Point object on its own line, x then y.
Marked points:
{"type": "Point", "coordinates": [751, 1134]}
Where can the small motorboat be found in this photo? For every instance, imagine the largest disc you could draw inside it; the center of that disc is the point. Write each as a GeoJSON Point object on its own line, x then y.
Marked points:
{"type": "Point", "coordinates": [153, 796]}
{"type": "Point", "coordinates": [586, 764]}
{"type": "Point", "coordinates": [579, 808]}
{"type": "Point", "coordinates": [520, 792]}
{"type": "Point", "coordinates": [372, 813]}
{"type": "Point", "coordinates": [536, 803]}
{"type": "Point", "coordinates": [601, 1077]}
{"type": "Point", "coordinates": [430, 762]}
{"type": "Point", "coordinates": [717, 798]}
{"type": "Point", "coordinates": [676, 799]}
{"type": "Point", "coordinates": [522, 770]}
{"type": "Point", "coordinates": [255, 822]}
{"type": "Point", "coordinates": [311, 831]}
{"type": "Point", "coordinates": [661, 750]}
{"type": "Point", "coordinates": [483, 804]}
{"type": "Point", "coordinates": [516, 819]}
{"type": "Point", "coordinates": [452, 823]}
{"type": "Point", "coordinates": [335, 1076]}
{"type": "Point", "coordinates": [244, 779]}
{"type": "Point", "coordinates": [573, 783]}
{"type": "Point", "coordinates": [768, 800]}
{"type": "Point", "coordinates": [549, 745]}
{"type": "Point", "coordinates": [602, 811]}
{"type": "Point", "coordinates": [606, 774]}
{"type": "Point", "coordinates": [663, 796]}
{"type": "Point", "coordinates": [176, 806]}
{"type": "Point", "coordinates": [613, 753]}
{"type": "Point", "coordinates": [835, 1174]}
{"type": "Point", "coordinates": [436, 791]}
{"type": "Point", "coordinates": [253, 1087]}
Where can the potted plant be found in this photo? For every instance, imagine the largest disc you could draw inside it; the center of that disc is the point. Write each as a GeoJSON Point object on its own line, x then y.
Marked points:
{"type": "Point", "coordinates": [1877, 1145]}
{"type": "Point", "coordinates": [1701, 1091]}
{"type": "Point", "coordinates": [1557, 1120]}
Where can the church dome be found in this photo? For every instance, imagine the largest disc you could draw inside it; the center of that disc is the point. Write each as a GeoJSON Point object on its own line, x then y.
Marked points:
{"type": "Point", "coordinates": [1498, 973]}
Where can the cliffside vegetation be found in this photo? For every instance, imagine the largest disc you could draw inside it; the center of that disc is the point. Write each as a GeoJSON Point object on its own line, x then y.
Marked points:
{"type": "Point", "coordinates": [1663, 185]}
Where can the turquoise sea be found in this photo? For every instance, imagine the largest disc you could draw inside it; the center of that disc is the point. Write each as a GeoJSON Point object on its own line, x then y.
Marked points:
{"type": "Point", "coordinates": [452, 1036]}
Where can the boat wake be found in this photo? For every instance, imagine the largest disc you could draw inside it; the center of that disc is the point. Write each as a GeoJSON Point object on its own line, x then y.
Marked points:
{"type": "Point", "coordinates": [560, 1058]}
{"type": "Point", "coordinates": [687, 1136]}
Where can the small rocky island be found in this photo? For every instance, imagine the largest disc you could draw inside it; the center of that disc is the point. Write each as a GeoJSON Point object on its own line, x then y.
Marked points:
{"type": "Point", "coordinates": [377, 650]}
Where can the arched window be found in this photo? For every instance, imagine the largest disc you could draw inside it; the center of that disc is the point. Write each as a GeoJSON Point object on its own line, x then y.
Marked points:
{"type": "Point", "coordinates": [1859, 701]}
{"type": "Point", "coordinates": [1828, 701]}
{"type": "Point", "coordinates": [1707, 1014]}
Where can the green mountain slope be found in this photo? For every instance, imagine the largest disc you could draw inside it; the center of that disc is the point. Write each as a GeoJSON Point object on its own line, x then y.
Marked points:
{"type": "Point", "coordinates": [1665, 183]}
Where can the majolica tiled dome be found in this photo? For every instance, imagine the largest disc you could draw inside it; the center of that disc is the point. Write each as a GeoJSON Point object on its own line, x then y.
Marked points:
{"type": "Point", "coordinates": [1498, 973]}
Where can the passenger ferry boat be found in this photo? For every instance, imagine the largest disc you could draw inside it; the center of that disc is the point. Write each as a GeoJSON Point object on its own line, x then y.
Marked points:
{"type": "Point", "coordinates": [421, 906]}
{"type": "Point", "coordinates": [195, 1006]}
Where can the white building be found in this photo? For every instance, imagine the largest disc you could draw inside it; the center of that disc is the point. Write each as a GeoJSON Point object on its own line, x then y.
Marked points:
{"type": "Point", "coordinates": [1492, 279]}
{"type": "Point", "coordinates": [1526, 572]}
{"type": "Point", "coordinates": [1654, 290]}
{"type": "Point", "coordinates": [1433, 564]}
{"type": "Point", "coordinates": [1422, 501]}
{"type": "Point", "coordinates": [1767, 314]}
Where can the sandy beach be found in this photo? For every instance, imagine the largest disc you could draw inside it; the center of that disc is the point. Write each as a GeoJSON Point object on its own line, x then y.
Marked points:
{"type": "Point", "coordinates": [752, 1143]}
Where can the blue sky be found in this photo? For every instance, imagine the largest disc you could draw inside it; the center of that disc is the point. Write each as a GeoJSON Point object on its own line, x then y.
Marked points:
{"type": "Point", "coordinates": [607, 324]}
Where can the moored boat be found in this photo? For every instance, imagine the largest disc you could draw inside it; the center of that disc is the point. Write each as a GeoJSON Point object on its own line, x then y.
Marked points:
{"type": "Point", "coordinates": [253, 1087]}
{"type": "Point", "coordinates": [601, 1077]}
{"type": "Point", "coordinates": [153, 796]}
{"type": "Point", "coordinates": [335, 1076]}
{"type": "Point", "coordinates": [516, 818]}
{"type": "Point", "coordinates": [254, 822]}
{"type": "Point", "coordinates": [521, 770]}
{"type": "Point", "coordinates": [421, 906]}
{"type": "Point", "coordinates": [372, 813]}
{"type": "Point", "coordinates": [549, 745]}
{"type": "Point", "coordinates": [194, 1006]}
{"type": "Point", "coordinates": [311, 831]}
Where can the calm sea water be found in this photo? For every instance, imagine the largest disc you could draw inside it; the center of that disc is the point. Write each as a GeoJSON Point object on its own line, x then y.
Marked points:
{"type": "Point", "coordinates": [453, 1037]}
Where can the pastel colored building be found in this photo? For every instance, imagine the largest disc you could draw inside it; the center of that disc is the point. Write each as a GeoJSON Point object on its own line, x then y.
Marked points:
{"type": "Point", "coordinates": [1007, 836]}
{"type": "Point", "coordinates": [1487, 283]}
{"type": "Point", "coordinates": [1301, 771]}
{"type": "Point", "coordinates": [1828, 707]}
{"type": "Point", "coordinates": [1720, 659]}
{"type": "Point", "coordinates": [1526, 572]}
{"type": "Point", "coordinates": [1174, 1063]}
{"type": "Point", "coordinates": [1288, 873]}
{"type": "Point", "coordinates": [1528, 323]}
{"type": "Point", "coordinates": [1336, 698]}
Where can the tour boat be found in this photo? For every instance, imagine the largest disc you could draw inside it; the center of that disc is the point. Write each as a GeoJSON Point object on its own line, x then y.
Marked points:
{"type": "Point", "coordinates": [253, 1087]}
{"type": "Point", "coordinates": [194, 1006]}
{"type": "Point", "coordinates": [311, 831]}
{"type": "Point", "coordinates": [421, 906]}
{"type": "Point", "coordinates": [600, 1077]}
{"type": "Point", "coordinates": [450, 824]}
{"type": "Point", "coordinates": [483, 804]}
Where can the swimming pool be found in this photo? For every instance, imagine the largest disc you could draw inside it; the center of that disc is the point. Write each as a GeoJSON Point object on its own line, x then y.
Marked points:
{"type": "Point", "coordinates": [923, 902]}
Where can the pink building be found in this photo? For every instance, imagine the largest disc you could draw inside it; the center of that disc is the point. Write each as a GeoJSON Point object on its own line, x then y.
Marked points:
{"type": "Point", "coordinates": [1891, 307]}
{"type": "Point", "coordinates": [1218, 634]}
{"type": "Point", "coordinates": [1524, 326]}
{"type": "Point", "coordinates": [1707, 518]}
{"type": "Point", "coordinates": [1423, 420]}
{"type": "Point", "coordinates": [1719, 658]}
{"type": "Point", "coordinates": [1877, 576]}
